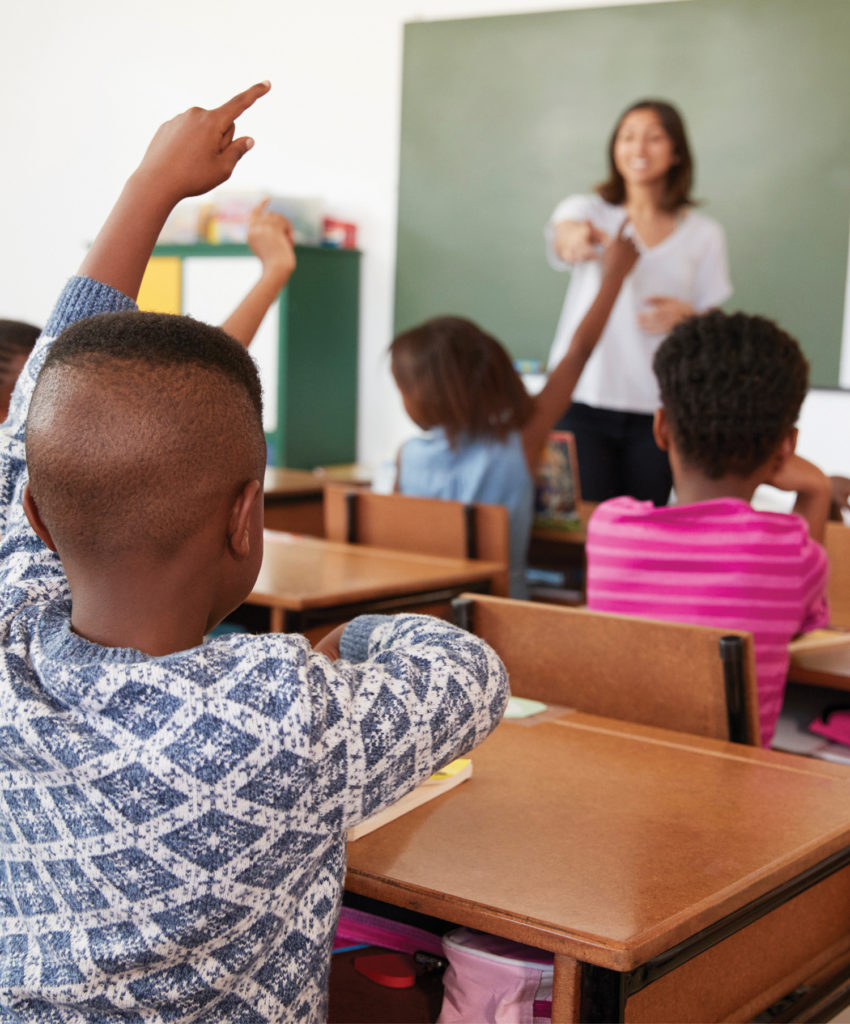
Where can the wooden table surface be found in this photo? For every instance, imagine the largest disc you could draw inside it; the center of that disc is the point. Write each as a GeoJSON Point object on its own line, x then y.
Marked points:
{"type": "Point", "coordinates": [281, 482]}
{"type": "Point", "coordinates": [296, 483]}
{"type": "Point", "coordinates": [609, 843]}
{"type": "Point", "coordinates": [302, 573]}
{"type": "Point", "coordinates": [825, 663]}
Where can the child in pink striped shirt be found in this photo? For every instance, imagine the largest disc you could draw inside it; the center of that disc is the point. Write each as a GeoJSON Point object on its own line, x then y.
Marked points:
{"type": "Point", "coordinates": [731, 390]}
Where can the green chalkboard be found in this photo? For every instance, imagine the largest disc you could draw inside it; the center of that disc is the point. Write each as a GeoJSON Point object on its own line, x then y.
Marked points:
{"type": "Point", "coordinates": [504, 116]}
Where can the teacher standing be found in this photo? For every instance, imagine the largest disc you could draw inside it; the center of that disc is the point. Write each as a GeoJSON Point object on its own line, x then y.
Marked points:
{"type": "Point", "coordinates": [682, 270]}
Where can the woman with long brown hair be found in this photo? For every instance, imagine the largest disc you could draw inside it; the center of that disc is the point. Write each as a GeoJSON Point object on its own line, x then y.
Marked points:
{"type": "Point", "coordinates": [682, 270]}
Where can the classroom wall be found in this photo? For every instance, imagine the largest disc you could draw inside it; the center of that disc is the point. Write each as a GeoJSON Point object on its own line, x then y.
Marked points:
{"type": "Point", "coordinates": [83, 87]}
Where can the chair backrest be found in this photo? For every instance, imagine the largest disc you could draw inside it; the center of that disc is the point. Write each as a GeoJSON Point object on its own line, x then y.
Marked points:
{"type": "Point", "coordinates": [430, 526]}
{"type": "Point", "coordinates": [837, 543]}
{"type": "Point", "coordinates": [639, 670]}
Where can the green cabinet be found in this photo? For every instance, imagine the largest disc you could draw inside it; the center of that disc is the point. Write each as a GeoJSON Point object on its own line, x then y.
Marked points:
{"type": "Point", "coordinates": [310, 375]}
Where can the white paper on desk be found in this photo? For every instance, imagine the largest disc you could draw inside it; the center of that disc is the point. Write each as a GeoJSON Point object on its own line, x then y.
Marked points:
{"type": "Point", "coordinates": [523, 707]}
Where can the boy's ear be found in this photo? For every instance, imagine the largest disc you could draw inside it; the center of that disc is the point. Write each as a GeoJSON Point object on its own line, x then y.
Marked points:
{"type": "Point", "coordinates": [661, 429]}
{"type": "Point", "coordinates": [239, 523]}
{"type": "Point", "coordinates": [34, 517]}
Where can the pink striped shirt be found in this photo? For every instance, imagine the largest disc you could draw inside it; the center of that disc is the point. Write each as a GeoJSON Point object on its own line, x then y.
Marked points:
{"type": "Point", "coordinates": [715, 563]}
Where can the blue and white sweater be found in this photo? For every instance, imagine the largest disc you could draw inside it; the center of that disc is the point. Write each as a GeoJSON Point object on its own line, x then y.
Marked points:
{"type": "Point", "coordinates": [173, 829]}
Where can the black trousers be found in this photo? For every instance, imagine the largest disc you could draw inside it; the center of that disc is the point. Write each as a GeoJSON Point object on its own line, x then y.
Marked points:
{"type": "Point", "coordinates": [617, 454]}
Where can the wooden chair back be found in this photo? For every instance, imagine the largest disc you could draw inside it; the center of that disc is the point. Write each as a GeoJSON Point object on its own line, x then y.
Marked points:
{"type": "Point", "coordinates": [690, 678]}
{"type": "Point", "coordinates": [837, 543]}
{"type": "Point", "coordinates": [430, 526]}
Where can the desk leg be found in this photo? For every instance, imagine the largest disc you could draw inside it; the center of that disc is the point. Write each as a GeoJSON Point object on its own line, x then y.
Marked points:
{"type": "Point", "coordinates": [277, 620]}
{"type": "Point", "coordinates": [603, 995]}
{"type": "Point", "coordinates": [566, 990]}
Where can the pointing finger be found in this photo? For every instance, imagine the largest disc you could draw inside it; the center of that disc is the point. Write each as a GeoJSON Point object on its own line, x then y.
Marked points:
{"type": "Point", "coordinates": [260, 208]}
{"type": "Point", "coordinates": [240, 103]}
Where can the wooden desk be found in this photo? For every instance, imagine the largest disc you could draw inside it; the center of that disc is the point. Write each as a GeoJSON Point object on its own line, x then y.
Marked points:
{"type": "Point", "coordinates": [673, 878]}
{"type": "Point", "coordinates": [293, 498]}
{"type": "Point", "coordinates": [306, 580]}
{"type": "Point", "coordinates": [562, 551]}
{"type": "Point", "coordinates": [826, 664]}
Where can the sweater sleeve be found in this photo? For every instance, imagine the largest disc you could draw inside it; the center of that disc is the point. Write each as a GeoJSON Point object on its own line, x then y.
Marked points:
{"type": "Point", "coordinates": [414, 693]}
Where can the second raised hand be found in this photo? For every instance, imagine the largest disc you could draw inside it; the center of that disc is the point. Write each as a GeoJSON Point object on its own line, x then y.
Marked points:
{"type": "Point", "coordinates": [196, 150]}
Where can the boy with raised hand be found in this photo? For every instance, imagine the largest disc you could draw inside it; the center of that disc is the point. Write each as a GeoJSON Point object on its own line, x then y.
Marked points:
{"type": "Point", "coordinates": [172, 812]}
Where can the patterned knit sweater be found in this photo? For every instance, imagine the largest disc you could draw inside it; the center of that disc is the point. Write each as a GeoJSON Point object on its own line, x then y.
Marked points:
{"type": "Point", "coordinates": [173, 828]}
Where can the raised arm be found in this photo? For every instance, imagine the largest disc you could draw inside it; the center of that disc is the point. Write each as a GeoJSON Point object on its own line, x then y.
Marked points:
{"type": "Point", "coordinates": [619, 258]}
{"type": "Point", "coordinates": [270, 238]}
{"type": "Point", "coordinates": [189, 155]}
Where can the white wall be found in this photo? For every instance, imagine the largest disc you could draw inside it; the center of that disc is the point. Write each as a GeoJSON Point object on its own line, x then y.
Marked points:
{"type": "Point", "coordinates": [82, 88]}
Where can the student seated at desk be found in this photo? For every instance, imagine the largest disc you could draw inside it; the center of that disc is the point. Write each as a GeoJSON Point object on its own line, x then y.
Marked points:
{"type": "Point", "coordinates": [731, 391]}
{"type": "Point", "coordinates": [174, 812]}
{"type": "Point", "coordinates": [484, 432]}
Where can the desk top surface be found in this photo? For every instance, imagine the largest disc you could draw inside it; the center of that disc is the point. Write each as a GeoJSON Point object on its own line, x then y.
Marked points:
{"type": "Point", "coordinates": [824, 662]}
{"type": "Point", "coordinates": [280, 482]}
{"type": "Point", "coordinates": [307, 572]}
{"type": "Point", "coordinates": [606, 841]}
{"type": "Point", "coordinates": [291, 483]}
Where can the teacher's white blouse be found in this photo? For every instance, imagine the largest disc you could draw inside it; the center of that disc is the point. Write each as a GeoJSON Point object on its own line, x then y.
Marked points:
{"type": "Point", "coordinates": [690, 265]}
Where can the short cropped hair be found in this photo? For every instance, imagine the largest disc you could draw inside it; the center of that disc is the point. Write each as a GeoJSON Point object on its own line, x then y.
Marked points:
{"type": "Point", "coordinates": [459, 378]}
{"type": "Point", "coordinates": [731, 387]}
{"type": "Point", "coordinates": [141, 425]}
{"type": "Point", "coordinates": [677, 187]}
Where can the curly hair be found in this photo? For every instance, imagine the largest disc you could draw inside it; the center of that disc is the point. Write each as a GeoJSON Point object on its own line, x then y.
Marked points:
{"type": "Point", "coordinates": [457, 377]}
{"type": "Point", "coordinates": [732, 387]}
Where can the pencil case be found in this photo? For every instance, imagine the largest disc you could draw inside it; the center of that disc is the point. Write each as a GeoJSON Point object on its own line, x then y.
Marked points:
{"type": "Point", "coordinates": [358, 927]}
{"type": "Point", "coordinates": [495, 980]}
